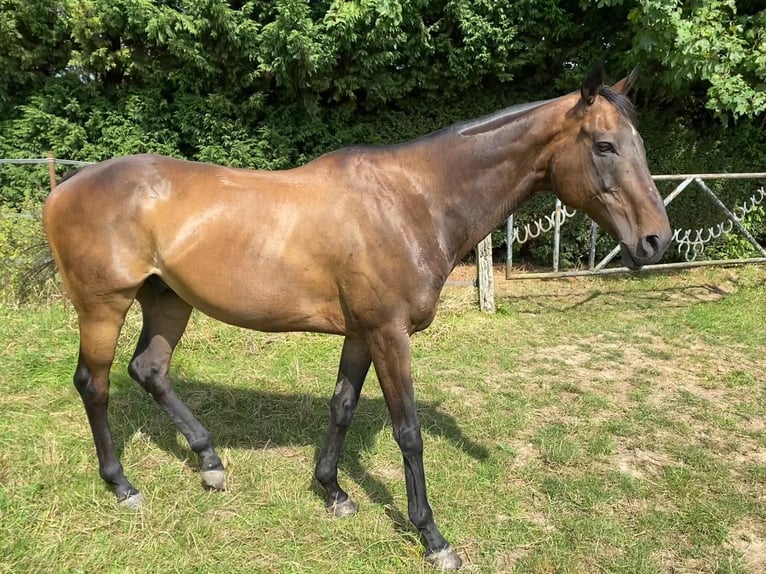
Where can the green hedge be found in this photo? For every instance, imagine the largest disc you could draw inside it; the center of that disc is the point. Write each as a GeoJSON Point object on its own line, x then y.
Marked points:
{"type": "Point", "coordinates": [291, 135]}
{"type": "Point", "coordinates": [272, 84]}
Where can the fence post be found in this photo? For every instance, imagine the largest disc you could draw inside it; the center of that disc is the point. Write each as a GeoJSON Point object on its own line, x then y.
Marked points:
{"type": "Point", "coordinates": [52, 169]}
{"type": "Point", "coordinates": [557, 235]}
{"type": "Point", "coordinates": [486, 282]}
{"type": "Point", "coordinates": [508, 246]}
{"type": "Point", "coordinates": [593, 237]}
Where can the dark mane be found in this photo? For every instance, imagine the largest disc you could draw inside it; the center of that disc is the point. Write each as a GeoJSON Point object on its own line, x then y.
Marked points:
{"type": "Point", "coordinates": [621, 102]}
{"type": "Point", "coordinates": [493, 121]}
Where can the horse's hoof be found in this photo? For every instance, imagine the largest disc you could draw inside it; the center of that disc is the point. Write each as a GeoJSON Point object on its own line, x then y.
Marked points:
{"type": "Point", "coordinates": [133, 502]}
{"type": "Point", "coordinates": [340, 509]}
{"type": "Point", "coordinates": [444, 559]}
{"type": "Point", "coordinates": [214, 479]}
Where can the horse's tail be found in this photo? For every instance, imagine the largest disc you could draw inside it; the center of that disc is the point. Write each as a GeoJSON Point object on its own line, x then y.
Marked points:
{"type": "Point", "coordinates": [40, 269]}
{"type": "Point", "coordinates": [34, 265]}
{"type": "Point", "coordinates": [39, 264]}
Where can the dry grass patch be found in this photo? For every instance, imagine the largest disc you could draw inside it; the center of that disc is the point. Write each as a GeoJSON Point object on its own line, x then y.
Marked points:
{"type": "Point", "coordinates": [595, 425]}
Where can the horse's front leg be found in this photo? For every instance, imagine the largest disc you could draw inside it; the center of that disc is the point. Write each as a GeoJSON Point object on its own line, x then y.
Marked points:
{"type": "Point", "coordinates": [390, 350]}
{"type": "Point", "coordinates": [354, 364]}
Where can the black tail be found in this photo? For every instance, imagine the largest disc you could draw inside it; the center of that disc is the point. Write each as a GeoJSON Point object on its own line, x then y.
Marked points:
{"type": "Point", "coordinates": [35, 264]}
{"type": "Point", "coordinates": [39, 269]}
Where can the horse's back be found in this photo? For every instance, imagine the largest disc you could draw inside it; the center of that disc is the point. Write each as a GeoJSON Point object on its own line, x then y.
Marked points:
{"type": "Point", "coordinates": [289, 250]}
{"type": "Point", "coordinates": [247, 247]}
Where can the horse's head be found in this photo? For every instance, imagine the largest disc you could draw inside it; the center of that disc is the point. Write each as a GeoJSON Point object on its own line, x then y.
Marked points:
{"type": "Point", "coordinates": [599, 166]}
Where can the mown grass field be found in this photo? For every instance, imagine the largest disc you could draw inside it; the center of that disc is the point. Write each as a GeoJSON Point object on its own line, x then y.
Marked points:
{"type": "Point", "coordinates": [603, 425]}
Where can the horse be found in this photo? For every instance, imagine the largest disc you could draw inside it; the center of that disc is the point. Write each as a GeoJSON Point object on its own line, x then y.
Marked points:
{"type": "Point", "coordinates": [358, 242]}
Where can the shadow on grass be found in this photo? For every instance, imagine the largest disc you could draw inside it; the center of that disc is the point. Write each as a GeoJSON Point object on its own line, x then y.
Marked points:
{"type": "Point", "coordinates": [256, 419]}
{"type": "Point", "coordinates": [568, 299]}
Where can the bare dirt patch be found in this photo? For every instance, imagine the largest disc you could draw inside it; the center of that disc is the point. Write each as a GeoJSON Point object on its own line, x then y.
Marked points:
{"type": "Point", "coordinates": [750, 541]}
{"type": "Point", "coordinates": [387, 472]}
{"type": "Point", "coordinates": [468, 396]}
{"type": "Point", "coordinates": [755, 424]}
{"type": "Point", "coordinates": [642, 464]}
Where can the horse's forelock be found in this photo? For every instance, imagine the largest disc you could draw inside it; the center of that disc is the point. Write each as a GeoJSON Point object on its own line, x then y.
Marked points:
{"type": "Point", "coordinates": [621, 102]}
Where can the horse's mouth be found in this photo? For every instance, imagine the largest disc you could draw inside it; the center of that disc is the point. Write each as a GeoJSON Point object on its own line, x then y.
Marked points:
{"type": "Point", "coordinates": [653, 250]}
{"type": "Point", "coordinates": [628, 260]}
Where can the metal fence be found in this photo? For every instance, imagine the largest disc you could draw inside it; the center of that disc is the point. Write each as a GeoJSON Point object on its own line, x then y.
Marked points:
{"type": "Point", "coordinates": [49, 160]}
{"type": "Point", "coordinates": [690, 243]}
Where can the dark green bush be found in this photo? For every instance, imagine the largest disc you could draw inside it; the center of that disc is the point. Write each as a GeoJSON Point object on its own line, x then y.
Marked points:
{"type": "Point", "coordinates": [271, 85]}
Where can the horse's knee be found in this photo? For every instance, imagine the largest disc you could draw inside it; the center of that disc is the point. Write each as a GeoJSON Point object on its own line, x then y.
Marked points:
{"type": "Point", "coordinates": [81, 378]}
{"type": "Point", "coordinates": [410, 440]}
{"type": "Point", "coordinates": [90, 391]}
{"type": "Point", "coordinates": [343, 405]}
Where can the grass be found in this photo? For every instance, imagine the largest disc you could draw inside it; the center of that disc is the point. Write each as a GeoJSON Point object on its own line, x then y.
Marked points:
{"type": "Point", "coordinates": [603, 425]}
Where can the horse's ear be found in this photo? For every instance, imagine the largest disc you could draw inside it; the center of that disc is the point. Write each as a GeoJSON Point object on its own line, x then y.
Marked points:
{"type": "Point", "coordinates": [624, 85]}
{"type": "Point", "coordinates": [592, 83]}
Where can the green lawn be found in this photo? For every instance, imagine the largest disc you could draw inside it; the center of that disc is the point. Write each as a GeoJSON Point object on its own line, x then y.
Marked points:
{"type": "Point", "coordinates": [602, 425]}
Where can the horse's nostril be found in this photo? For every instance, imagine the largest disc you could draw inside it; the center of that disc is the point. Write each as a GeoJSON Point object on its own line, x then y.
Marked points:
{"type": "Point", "coordinates": [650, 245]}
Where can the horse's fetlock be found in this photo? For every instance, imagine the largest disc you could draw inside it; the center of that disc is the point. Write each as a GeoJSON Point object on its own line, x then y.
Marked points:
{"type": "Point", "coordinates": [421, 517]}
{"type": "Point", "coordinates": [201, 441]}
{"type": "Point", "coordinates": [325, 471]}
{"type": "Point", "coordinates": [111, 472]}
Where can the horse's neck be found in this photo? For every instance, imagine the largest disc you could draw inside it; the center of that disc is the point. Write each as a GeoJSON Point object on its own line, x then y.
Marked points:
{"type": "Point", "coordinates": [484, 173]}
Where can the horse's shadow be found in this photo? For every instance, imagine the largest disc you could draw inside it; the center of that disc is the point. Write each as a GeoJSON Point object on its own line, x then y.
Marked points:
{"type": "Point", "coordinates": [256, 419]}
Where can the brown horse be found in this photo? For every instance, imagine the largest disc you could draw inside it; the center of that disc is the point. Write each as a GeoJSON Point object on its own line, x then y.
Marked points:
{"type": "Point", "coordinates": [358, 243]}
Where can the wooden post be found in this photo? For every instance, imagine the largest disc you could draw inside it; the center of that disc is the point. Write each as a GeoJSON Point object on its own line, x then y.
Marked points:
{"type": "Point", "coordinates": [52, 169]}
{"type": "Point", "coordinates": [484, 270]}
{"type": "Point", "coordinates": [509, 246]}
{"type": "Point", "coordinates": [557, 235]}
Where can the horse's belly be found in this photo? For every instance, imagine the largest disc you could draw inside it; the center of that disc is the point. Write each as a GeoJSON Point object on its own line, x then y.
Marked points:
{"type": "Point", "coordinates": [260, 298]}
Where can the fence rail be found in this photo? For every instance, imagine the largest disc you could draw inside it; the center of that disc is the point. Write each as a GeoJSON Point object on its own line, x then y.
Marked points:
{"type": "Point", "coordinates": [50, 160]}
{"type": "Point", "coordinates": [690, 242]}
{"type": "Point", "coordinates": [32, 161]}
{"type": "Point", "coordinates": [694, 241]}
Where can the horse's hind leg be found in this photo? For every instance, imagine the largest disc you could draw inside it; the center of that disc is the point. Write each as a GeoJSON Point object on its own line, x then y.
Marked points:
{"type": "Point", "coordinates": [354, 364]}
{"type": "Point", "coordinates": [165, 317]}
{"type": "Point", "coordinates": [99, 328]}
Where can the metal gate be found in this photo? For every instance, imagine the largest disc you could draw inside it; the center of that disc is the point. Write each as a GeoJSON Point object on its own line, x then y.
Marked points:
{"type": "Point", "coordinates": [689, 242]}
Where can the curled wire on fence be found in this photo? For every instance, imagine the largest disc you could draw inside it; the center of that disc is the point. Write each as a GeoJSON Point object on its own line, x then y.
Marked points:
{"type": "Point", "coordinates": [542, 225]}
{"type": "Point", "coordinates": [693, 242]}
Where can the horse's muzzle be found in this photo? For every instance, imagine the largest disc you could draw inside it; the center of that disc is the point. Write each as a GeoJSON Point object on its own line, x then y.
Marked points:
{"type": "Point", "coordinates": [649, 249]}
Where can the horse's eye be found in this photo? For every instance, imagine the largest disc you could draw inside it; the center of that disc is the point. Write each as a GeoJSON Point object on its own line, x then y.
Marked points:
{"type": "Point", "coordinates": [605, 147]}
